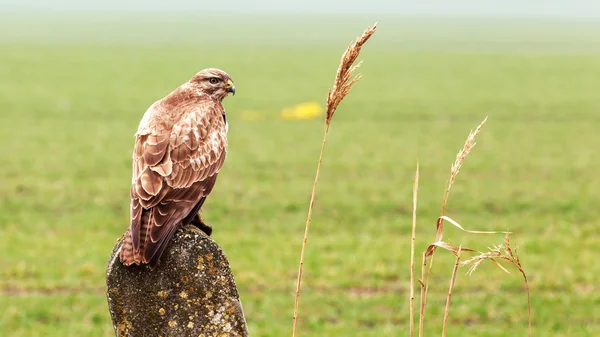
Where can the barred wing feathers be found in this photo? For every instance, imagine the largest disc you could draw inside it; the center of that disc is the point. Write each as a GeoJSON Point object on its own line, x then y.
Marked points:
{"type": "Point", "coordinates": [179, 148]}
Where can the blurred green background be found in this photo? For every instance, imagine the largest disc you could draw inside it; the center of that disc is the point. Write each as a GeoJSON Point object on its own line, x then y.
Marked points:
{"type": "Point", "coordinates": [74, 85]}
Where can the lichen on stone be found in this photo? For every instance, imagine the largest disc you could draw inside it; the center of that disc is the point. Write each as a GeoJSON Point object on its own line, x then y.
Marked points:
{"type": "Point", "coordinates": [195, 269]}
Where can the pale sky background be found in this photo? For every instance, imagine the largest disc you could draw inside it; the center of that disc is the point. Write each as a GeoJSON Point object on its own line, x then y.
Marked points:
{"type": "Point", "coordinates": [578, 9]}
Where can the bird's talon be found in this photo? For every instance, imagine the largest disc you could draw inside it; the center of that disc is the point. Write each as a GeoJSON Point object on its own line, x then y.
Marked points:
{"type": "Point", "coordinates": [197, 221]}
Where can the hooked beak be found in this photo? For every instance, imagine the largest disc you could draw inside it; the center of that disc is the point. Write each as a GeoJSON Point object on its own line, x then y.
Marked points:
{"type": "Point", "coordinates": [230, 87]}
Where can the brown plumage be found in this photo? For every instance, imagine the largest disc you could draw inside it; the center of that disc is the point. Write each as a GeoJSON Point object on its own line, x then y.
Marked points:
{"type": "Point", "coordinates": [180, 145]}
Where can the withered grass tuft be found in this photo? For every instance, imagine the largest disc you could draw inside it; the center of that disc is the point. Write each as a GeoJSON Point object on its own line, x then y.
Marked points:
{"type": "Point", "coordinates": [501, 252]}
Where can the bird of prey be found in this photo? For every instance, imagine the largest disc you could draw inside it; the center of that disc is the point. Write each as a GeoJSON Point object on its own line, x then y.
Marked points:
{"type": "Point", "coordinates": [180, 145]}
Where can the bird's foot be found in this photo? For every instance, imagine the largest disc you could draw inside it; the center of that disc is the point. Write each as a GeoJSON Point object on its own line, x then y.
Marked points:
{"type": "Point", "coordinates": [197, 221]}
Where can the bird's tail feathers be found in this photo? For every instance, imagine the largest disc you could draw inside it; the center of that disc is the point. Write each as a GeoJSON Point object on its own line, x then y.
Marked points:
{"type": "Point", "coordinates": [127, 255]}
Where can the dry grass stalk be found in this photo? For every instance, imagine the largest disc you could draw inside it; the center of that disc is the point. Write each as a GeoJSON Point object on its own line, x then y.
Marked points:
{"type": "Point", "coordinates": [425, 286]}
{"type": "Point", "coordinates": [449, 298]}
{"type": "Point", "coordinates": [424, 289]}
{"type": "Point", "coordinates": [455, 168]}
{"type": "Point", "coordinates": [504, 253]}
{"type": "Point", "coordinates": [344, 81]}
{"type": "Point", "coordinates": [412, 254]}
{"type": "Point", "coordinates": [429, 253]}
{"type": "Point", "coordinates": [460, 158]}
{"type": "Point", "coordinates": [495, 254]}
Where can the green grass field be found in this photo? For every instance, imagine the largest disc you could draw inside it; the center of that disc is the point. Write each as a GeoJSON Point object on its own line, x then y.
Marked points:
{"type": "Point", "coordinates": [72, 92]}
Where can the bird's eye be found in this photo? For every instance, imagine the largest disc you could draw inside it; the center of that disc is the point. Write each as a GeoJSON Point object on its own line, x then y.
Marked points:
{"type": "Point", "coordinates": [213, 80]}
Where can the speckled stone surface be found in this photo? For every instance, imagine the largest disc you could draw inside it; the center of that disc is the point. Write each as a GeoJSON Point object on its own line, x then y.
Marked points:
{"type": "Point", "coordinates": [191, 292]}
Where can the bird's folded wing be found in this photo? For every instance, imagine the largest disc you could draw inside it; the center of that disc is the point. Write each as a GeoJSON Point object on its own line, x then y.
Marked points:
{"type": "Point", "coordinates": [174, 167]}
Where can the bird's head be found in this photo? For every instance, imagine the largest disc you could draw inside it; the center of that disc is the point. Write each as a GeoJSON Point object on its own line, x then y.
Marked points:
{"type": "Point", "coordinates": [213, 82]}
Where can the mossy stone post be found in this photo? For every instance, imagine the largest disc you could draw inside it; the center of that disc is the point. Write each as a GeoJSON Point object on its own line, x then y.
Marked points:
{"type": "Point", "coordinates": [191, 292]}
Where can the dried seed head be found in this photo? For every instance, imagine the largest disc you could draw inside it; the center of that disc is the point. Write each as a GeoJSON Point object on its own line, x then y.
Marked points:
{"type": "Point", "coordinates": [345, 79]}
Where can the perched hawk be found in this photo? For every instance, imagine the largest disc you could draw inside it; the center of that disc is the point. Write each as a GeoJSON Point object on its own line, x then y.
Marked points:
{"type": "Point", "coordinates": [180, 146]}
